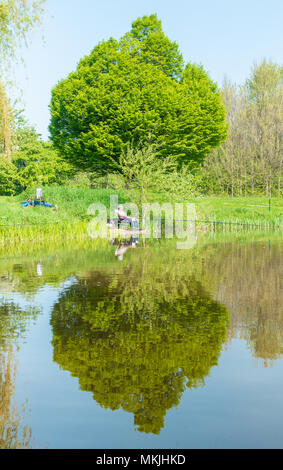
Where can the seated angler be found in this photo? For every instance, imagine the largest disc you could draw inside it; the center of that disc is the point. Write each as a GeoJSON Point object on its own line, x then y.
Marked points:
{"type": "Point", "coordinates": [122, 216]}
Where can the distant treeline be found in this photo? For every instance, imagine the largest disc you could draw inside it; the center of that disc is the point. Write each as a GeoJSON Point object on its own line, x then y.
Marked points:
{"type": "Point", "coordinates": [251, 160]}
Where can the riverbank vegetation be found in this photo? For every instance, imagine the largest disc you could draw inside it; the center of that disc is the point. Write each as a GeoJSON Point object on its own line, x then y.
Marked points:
{"type": "Point", "coordinates": [70, 218]}
{"type": "Point", "coordinates": [136, 121]}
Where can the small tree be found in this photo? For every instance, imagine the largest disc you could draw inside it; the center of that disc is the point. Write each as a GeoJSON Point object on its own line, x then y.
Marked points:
{"type": "Point", "coordinates": [146, 174]}
{"type": "Point", "coordinates": [144, 171]}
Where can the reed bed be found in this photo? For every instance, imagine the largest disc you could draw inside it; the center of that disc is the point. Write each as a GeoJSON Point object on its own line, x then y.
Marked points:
{"type": "Point", "coordinates": [43, 234]}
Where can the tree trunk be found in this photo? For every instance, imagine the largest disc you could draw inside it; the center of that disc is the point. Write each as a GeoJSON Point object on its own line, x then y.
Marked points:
{"type": "Point", "coordinates": [5, 125]}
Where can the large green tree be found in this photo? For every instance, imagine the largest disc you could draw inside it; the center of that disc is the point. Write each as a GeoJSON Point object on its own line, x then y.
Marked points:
{"type": "Point", "coordinates": [126, 90]}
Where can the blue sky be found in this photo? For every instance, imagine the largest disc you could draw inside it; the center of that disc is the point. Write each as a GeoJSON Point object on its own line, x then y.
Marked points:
{"type": "Point", "coordinates": [226, 37]}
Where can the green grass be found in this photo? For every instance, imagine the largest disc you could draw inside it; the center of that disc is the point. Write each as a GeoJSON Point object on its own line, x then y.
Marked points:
{"type": "Point", "coordinates": [245, 211]}
{"type": "Point", "coordinates": [52, 233]}
{"type": "Point", "coordinates": [24, 224]}
{"type": "Point", "coordinates": [72, 205]}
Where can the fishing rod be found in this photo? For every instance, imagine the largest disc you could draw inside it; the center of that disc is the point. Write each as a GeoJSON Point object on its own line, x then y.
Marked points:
{"type": "Point", "coordinates": [218, 222]}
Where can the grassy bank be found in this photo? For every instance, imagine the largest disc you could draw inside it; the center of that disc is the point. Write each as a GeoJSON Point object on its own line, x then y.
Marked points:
{"type": "Point", "coordinates": [72, 205]}
{"type": "Point", "coordinates": [70, 219]}
{"type": "Point", "coordinates": [246, 211]}
{"type": "Point", "coordinates": [25, 224]}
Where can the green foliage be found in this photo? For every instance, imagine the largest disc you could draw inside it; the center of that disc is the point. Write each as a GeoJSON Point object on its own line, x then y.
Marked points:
{"type": "Point", "coordinates": [144, 171]}
{"type": "Point", "coordinates": [123, 92]}
{"type": "Point", "coordinates": [8, 178]}
{"type": "Point", "coordinates": [251, 161]}
{"type": "Point", "coordinates": [88, 179]}
{"type": "Point", "coordinates": [210, 113]}
{"type": "Point", "coordinates": [109, 181]}
{"type": "Point", "coordinates": [137, 339]}
{"type": "Point", "coordinates": [37, 162]}
{"type": "Point", "coordinates": [265, 82]}
{"type": "Point", "coordinates": [146, 174]}
{"type": "Point", "coordinates": [33, 163]}
{"type": "Point", "coordinates": [81, 179]}
{"type": "Point", "coordinates": [17, 19]}
{"type": "Point", "coordinates": [156, 48]}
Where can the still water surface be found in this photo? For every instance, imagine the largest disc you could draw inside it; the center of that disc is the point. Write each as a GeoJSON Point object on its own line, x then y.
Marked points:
{"type": "Point", "coordinates": [154, 348]}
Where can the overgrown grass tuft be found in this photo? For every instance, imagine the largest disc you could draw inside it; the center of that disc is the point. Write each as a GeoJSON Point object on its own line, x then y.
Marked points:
{"type": "Point", "coordinates": [52, 233]}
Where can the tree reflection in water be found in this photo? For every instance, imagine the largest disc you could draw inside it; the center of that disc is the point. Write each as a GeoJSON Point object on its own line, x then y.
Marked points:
{"type": "Point", "coordinates": [13, 321]}
{"type": "Point", "coordinates": [137, 332]}
{"type": "Point", "coordinates": [250, 283]}
{"type": "Point", "coordinates": [137, 339]}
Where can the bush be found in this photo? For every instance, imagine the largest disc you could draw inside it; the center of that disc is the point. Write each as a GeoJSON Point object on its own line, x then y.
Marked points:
{"type": "Point", "coordinates": [8, 178]}
{"type": "Point", "coordinates": [34, 163]}
{"type": "Point", "coordinates": [80, 180]}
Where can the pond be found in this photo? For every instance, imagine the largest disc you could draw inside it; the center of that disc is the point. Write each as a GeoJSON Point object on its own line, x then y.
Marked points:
{"type": "Point", "coordinates": [142, 345]}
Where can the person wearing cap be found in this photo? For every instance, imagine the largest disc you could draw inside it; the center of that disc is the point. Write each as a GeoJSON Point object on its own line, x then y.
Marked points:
{"type": "Point", "coordinates": [121, 214]}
